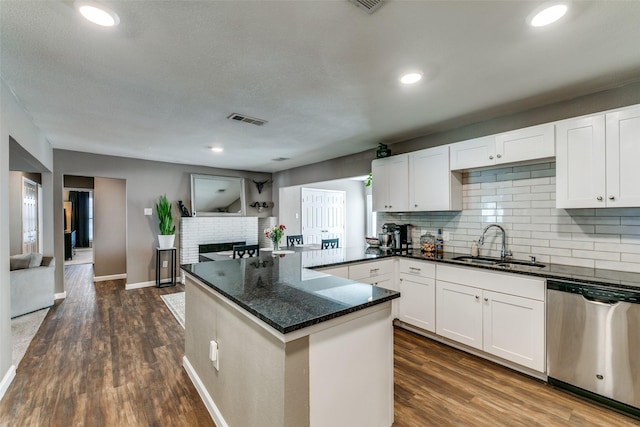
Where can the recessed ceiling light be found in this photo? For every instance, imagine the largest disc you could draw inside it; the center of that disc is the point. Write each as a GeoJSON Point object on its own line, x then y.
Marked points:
{"type": "Point", "coordinates": [410, 78]}
{"type": "Point", "coordinates": [548, 14]}
{"type": "Point", "coordinates": [217, 149]}
{"type": "Point", "coordinates": [98, 14]}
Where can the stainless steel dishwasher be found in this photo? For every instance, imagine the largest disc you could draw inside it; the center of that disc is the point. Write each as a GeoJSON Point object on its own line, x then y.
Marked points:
{"type": "Point", "coordinates": [593, 342]}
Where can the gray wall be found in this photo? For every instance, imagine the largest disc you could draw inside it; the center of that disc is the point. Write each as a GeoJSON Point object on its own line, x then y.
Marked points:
{"type": "Point", "coordinates": [15, 122]}
{"type": "Point", "coordinates": [110, 227]}
{"type": "Point", "coordinates": [145, 182]}
{"type": "Point", "coordinates": [479, 124]}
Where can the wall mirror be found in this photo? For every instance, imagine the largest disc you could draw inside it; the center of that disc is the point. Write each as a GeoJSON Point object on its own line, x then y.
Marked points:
{"type": "Point", "coordinates": [217, 195]}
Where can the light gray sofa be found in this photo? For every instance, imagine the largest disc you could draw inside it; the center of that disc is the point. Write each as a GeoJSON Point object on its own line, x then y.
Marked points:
{"type": "Point", "coordinates": [32, 288]}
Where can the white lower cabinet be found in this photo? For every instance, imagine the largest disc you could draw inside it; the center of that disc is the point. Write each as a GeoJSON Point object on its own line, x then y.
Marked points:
{"type": "Point", "coordinates": [417, 286]}
{"type": "Point", "coordinates": [513, 328]}
{"type": "Point", "coordinates": [459, 313]}
{"type": "Point", "coordinates": [377, 273]}
{"type": "Point", "coordinates": [500, 314]}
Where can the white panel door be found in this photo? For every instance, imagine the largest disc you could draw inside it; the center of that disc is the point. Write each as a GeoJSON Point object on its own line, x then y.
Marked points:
{"type": "Point", "coordinates": [535, 142]}
{"type": "Point", "coordinates": [323, 215]}
{"type": "Point", "coordinates": [580, 163]}
{"type": "Point", "coordinates": [623, 158]}
{"type": "Point", "coordinates": [312, 215]}
{"type": "Point", "coordinates": [29, 216]}
{"type": "Point", "coordinates": [514, 329]}
{"type": "Point", "coordinates": [459, 313]}
{"type": "Point", "coordinates": [417, 305]}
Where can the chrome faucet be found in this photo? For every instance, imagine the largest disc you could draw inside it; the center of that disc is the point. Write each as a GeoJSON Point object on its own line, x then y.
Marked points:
{"type": "Point", "coordinates": [503, 250]}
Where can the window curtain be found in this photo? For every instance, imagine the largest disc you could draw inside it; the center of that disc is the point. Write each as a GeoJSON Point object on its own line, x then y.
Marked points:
{"type": "Point", "coordinates": [80, 217]}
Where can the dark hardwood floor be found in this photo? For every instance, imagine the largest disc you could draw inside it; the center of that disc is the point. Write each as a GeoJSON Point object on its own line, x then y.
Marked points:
{"type": "Point", "coordinates": [104, 357]}
{"type": "Point", "coordinates": [436, 385]}
{"type": "Point", "coordinates": [109, 357]}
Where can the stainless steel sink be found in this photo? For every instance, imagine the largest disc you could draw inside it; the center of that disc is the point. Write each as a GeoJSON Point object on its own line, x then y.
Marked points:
{"type": "Point", "coordinates": [498, 262]}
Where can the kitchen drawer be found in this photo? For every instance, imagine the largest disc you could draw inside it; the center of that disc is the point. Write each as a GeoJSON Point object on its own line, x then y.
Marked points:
{"type": "Point", "coordinates": [418, 268]}
{"type": "Point", "coordinates": [370, 269]}
{"type": "Point", "coordinates": [336, 271]}
{"type": "Point", "coordinates": [513, 284]}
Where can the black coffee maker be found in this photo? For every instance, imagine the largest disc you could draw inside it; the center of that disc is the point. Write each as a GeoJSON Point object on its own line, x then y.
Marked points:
{"type": "Point", "coordinates": [403, 237]}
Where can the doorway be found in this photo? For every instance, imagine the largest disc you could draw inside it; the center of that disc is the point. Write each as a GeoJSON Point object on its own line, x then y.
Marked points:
{"type": "Point", "coordinates": [78, 220]}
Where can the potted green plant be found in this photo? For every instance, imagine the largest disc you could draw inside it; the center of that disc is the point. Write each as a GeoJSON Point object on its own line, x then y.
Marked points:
{"type": "Point", "coordinates": [167, 234]}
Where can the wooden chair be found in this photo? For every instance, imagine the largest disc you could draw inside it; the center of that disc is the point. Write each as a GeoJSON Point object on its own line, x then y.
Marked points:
{"type": "Point", "coordinates": [296, 239]}
{"type": "Point", "coordinates": [330, 243]}
{"type": "Point", "coordinates": [240, 251]}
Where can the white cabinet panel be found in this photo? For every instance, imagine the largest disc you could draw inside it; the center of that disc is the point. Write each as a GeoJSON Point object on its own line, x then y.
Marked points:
{"type": "Point", "coordinates": [459, 313]}
{"type": "Point", "coordinates": [535, 142]}
{"type": "Point", "coordinates": [474, 153]}
{"type": "Point", "coordinates": [390, 185]}
{"type": "Point", "coordinates": [513, 328]}
{"type": "Point", "coordinates": [417, 306]}
{"type": "Point", "coordinates": [432, 186]}
{"type": "Point", "coordinates": [580, 163]}
{"type": "Point", "coordinates": [623, 158]}
{"type": "Point", "coordinates": [336, 271]}
{"type": "Point", "coordinates": [370, 269]}
{"type": "Point", "coordinates": [597, 160]}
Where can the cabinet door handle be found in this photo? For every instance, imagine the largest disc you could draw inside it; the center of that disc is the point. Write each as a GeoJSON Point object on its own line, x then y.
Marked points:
{"type": "Point", "coordinates": [612, 198]}
{"type": "Point", "coordinates": [498, 155]}
{"type": "Point", "coordinates": [415, 206]}
{"type": "Point", "coordinates": [486, 299]}
{"type": "Point", "coordinates": [477, 297]}
{"type": "Point", "coordinates": [414, 269]}
{"type": "Point", "coordinates": [599, 198]}
{"type": "Point", "coordinates": [373, 270]}
{"type": "Point", "coordinates": [490, 157]}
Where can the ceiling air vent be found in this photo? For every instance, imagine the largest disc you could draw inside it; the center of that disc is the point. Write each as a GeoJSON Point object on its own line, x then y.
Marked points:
{"type": "Point", "coordinates": [369, 6]}
{"type": "Point", "coordinates": [280, 159]}
{"type": "Point", "coordinates": [247, 119]}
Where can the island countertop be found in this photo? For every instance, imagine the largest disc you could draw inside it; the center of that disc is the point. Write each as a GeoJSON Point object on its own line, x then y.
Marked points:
{"type": "Point", "coordinates": [282, 293]}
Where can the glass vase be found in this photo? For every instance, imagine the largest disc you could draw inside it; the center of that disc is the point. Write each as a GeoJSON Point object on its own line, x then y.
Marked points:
{"type": "Point", "coordinates": [276, 244]}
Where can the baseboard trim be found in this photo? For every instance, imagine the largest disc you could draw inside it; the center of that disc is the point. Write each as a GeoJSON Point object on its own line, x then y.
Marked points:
{"type": "Point", "coordinates": [111, 277]}
{"type": "Point", "coordinates": [61, 295]}
{"type": "Point", "coordinates": [139, 285]}
{"type": "Point", "coordinates": [6, 381]}
{"type": "Point", "coordinates": [215, 413]}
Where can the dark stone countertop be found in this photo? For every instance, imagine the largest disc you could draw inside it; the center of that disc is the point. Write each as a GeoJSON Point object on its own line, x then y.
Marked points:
{"type": "Point", "coordinates": [594, 276]}
{"type": "Point", "coordinates": [284, 294]}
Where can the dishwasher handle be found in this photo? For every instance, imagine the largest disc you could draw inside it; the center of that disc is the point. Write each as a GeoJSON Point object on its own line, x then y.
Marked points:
{"type": "Point", "coordinates": [598, 299]}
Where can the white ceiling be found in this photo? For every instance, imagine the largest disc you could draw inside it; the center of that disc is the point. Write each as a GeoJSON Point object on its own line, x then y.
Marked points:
{"type": "Point", "coordinates": [322, 73]}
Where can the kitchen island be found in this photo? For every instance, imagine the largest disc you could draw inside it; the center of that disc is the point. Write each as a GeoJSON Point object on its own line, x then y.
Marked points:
{"type": "Point", "coordinates": [271, 343]}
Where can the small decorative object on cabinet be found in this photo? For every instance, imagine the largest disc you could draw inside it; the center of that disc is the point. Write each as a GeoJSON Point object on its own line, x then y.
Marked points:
{"type": "Point", "coordinates": [167, 229]}
{"type": "Point", "coordinates": [382, 151]}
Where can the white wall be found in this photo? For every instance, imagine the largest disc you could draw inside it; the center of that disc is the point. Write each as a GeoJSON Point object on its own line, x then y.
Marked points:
{"type": "Point", "coordinates": [15, 122]}
{"type": "Point", "coordinates": [355, 209]}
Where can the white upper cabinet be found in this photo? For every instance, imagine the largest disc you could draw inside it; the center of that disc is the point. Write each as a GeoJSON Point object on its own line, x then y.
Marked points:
{"type": "Point", "coordinates": [532, 143]}
{"type": "Point", "coordinates": [623, 158]}
{"type": "Point", "coordinates": [390, 184]}
{"type": "Point", "coordinates": [580, 163]}
{"type": "Point", "coordinates": [432, 186]}
{"type": "Point", "coordinates": [474, 153]}
{"type": "Point", "coordinates": [597, 160]}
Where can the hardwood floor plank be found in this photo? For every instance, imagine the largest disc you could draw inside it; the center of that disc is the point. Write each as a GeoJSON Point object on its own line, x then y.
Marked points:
{"type": "Point", "coordinates": [109, 357]}
{"type": "Point", "coordinates": [436, 385]}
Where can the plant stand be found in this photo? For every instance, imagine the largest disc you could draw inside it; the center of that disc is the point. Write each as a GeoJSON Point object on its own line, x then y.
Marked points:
{"type": "Point", "coordinates": [171, 280]}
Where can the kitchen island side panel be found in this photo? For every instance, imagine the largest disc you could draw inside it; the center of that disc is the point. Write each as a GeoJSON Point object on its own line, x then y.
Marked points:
{"type": "Point", "coordinates": [261, 380]}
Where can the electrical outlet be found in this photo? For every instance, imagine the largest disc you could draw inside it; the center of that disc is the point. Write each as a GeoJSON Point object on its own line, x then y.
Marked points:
{"type": "Point", "coordinates": [165, 263]}
{"type": "Point", "coordinates": [214, 354]}
{"type": "Point", "coordinates": [148, 211]}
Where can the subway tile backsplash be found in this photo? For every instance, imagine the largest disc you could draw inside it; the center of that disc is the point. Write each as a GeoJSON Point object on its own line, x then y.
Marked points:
{"type": "Point", "coordinates": [522, 200]}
